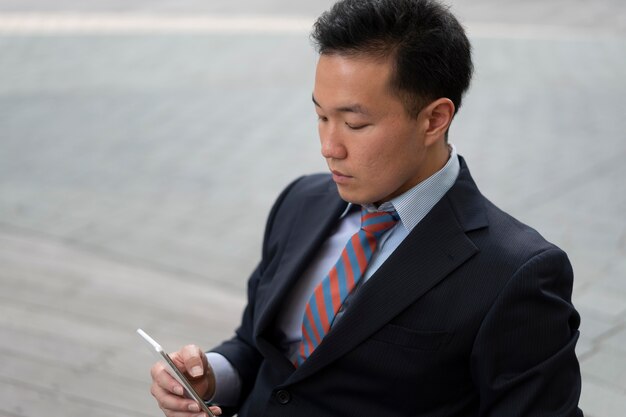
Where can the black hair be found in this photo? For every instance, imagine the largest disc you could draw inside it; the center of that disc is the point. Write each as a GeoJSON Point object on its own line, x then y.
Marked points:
{"type": "Point", "coordinates": [430, 51]}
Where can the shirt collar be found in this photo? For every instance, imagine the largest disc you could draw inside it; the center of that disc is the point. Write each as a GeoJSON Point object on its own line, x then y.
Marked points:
{"type": "Point", "coordinates": [414, 204]}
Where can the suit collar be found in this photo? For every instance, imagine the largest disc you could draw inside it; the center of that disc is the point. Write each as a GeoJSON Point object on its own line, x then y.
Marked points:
{"type": "Point", "coordinates": [466, 201]}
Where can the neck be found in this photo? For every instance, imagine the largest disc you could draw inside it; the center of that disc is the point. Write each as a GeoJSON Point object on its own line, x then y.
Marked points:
{"type": "Point", "coordinates": [436, 158]}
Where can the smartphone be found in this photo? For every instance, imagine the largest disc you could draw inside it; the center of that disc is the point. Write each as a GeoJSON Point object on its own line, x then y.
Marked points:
{"type": "Point", "coordinates": [165, 359]}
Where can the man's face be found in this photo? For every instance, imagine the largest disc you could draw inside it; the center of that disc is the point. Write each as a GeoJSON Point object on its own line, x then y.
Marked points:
{"type": "Point", "coordinates": [374, 150]}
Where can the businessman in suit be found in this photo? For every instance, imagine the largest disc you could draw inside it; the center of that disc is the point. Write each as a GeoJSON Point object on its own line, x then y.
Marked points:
{"type": "Point", "coordinates": [392, 286]}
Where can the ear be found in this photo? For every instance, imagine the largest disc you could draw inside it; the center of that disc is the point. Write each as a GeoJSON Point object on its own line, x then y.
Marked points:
{"type": "Point", "coordinates": [437, 118]}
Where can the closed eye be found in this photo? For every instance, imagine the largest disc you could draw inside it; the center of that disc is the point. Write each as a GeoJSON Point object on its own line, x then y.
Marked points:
{"type": "Point", "coordinates": [357, 127]}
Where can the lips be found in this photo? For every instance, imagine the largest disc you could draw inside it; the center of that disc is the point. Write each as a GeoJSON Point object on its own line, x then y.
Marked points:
{"type": "Point", "coordinates": [339, 177]}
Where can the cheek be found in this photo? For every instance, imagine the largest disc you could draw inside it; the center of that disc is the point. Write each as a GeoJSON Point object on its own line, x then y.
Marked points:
{"type": "Point", "coordinates": [399, 163]}
{"type": "Point", "coordinates": [376, 163]}
{"type": "Point", "coordinates": [378, 154]}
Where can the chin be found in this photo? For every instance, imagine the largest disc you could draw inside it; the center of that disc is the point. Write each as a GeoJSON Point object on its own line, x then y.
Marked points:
{"type": "Point", "coordinates": [352, 197]}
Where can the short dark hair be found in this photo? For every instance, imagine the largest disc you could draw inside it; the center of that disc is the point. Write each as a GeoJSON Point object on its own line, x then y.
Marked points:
{"type": "Point", "coordinates": [430, 51]}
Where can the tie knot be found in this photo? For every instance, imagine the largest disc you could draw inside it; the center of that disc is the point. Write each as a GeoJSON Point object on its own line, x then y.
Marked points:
{"type": "Point", "coordinates": [378, 222]}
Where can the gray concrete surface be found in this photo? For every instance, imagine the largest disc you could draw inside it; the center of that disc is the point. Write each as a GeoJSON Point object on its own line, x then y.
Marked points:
{"type": "Point", "coordinates": [137, 169]}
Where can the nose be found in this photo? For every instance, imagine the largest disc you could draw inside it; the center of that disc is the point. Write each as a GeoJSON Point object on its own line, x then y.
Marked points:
{"type": "Point", "coordinates": [332, 145]}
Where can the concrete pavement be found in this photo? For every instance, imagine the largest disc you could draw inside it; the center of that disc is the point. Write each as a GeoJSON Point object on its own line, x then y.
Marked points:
{"type": "Point", "coordinates": [137, 168]}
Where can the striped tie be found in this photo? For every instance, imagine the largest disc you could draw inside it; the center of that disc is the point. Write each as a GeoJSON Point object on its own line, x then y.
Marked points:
{"type": "Point", "coordinates": [330, 294]}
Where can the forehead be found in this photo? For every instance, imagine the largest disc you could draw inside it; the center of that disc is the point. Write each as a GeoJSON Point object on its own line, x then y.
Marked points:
{"type": "Point", "coordinates": [358, 79]}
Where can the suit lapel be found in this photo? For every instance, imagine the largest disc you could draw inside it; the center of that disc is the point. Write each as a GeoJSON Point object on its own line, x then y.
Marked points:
{"type": "Point", "coordinates": [436, 247]}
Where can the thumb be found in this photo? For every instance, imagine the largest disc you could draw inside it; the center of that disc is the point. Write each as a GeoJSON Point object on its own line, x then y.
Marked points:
{"type": "Point", "coordinates": [194, 360]}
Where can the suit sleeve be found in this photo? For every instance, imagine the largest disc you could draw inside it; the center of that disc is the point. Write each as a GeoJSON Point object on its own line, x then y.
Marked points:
{"type": "Point", "coordinates": [523, 361]}
{"type": "Point", "coordinates": [241, 351]}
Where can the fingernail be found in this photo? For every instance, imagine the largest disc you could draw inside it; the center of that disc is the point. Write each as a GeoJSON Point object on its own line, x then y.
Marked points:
{"type": "Point", "coordinates": [194, 407]}
{"type": "Point", "coordinates": [196, 371]}
{"type": "Point", "coordinates": [178, 390]}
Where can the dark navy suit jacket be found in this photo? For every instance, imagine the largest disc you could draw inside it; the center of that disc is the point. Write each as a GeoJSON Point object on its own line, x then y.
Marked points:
{"type": "Point", "coordinates": [470, 316]}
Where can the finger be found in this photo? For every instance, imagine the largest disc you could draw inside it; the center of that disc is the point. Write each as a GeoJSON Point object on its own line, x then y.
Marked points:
{"type": "Point", "coordinates": [163, 379]}
{"type": "Point", "coordinates": [183, 414]}
{"type": "Point", "coordinates": [194, 360]}
{"type": "Point", "coordinates": [215, 410]}
{"type": "Point", "coordinates": [170, 403]}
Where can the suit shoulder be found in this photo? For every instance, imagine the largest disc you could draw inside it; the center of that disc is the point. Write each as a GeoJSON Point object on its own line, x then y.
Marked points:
{"type": "Point", "coordinates": [313, 183]}
{"type": "Point", "coordinates": [297, 191]}
{"type": "Point", "coordinates": [304, 186]}
{"type": "Point", "coordinates": [513, 239]}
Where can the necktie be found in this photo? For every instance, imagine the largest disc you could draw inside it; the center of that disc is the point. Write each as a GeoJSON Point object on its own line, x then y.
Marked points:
{"type": "Point", "coordinates": [330, 294]}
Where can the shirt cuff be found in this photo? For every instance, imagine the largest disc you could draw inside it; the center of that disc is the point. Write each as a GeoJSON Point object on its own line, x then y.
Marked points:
{"type": "Point", "coordinates": [227, 380]}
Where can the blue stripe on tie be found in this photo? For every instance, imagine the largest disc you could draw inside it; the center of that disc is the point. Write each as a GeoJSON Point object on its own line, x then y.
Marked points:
{"type": "Point", "coordinates": [307, 353]}
{"type": "Point", "coordinates": [354, 265]}
{"type": "Point", "coordinates": [341, 272]}
{"type": "Point", "coordinates": [365, 245]}
{"type": "Point", "coordinates": [376, 220]}
{"type": "Point", "coordinates": [388, 218]}
{"type": "Point", "coordinates": [316, 317]}
{"type": "Point", "coordinates": [311, 334]}
{"type": "Point", "coordinates": [328, 300]}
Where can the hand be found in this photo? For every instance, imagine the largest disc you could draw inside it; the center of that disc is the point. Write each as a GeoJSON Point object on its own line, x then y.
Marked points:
{"type": "Point", "coordinates": [192, 362]}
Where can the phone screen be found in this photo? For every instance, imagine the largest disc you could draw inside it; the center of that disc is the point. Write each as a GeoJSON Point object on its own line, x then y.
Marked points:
{"type": "Point", "coordinates": [165, 359]}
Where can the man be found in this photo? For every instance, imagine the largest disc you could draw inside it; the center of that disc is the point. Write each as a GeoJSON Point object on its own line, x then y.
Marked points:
{"type": "Point", "coordinates": [439, 303]}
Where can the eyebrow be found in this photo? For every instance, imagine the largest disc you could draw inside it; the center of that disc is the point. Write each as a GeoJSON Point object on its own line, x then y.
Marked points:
{"type": "Point", "coordinates": [353, 108]}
